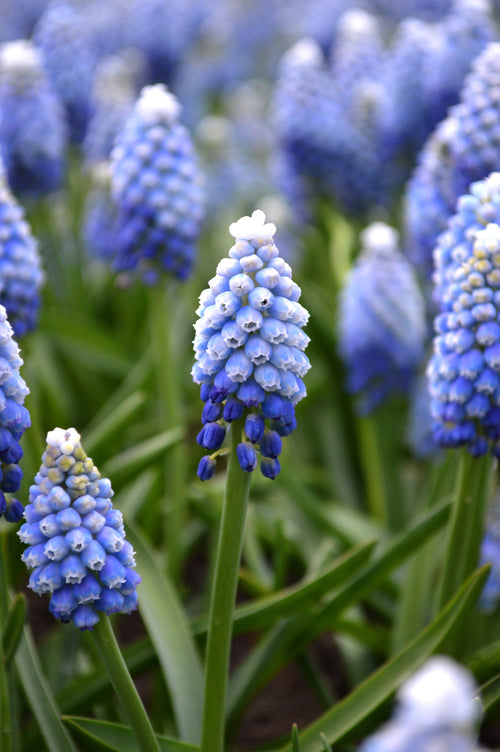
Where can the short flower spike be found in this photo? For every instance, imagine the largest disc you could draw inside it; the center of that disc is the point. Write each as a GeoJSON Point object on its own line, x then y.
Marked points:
{"type": "Point", "coordinates": [75, 538]}
{"type": "Point", "coordinates": [249, 348]}
{"type": "Point", "coordinates": [14, 420]}
{"type": "Point", "coordinates": [156, 185]}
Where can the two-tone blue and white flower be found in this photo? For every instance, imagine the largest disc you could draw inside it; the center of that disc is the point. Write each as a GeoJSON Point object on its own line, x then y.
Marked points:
{"type": "Point", "coordinates": [75, 538]}
{"type": "Point", "coordinates": [249, 349]}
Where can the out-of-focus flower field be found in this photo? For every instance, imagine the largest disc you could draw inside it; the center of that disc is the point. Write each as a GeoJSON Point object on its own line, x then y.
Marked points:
{"type": "Point", "coordinates": [249, 375]}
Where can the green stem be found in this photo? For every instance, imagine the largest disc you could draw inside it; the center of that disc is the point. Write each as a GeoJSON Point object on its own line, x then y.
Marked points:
{"type": "Point", "coordinates": [116, 668]}
{"type": "Point", "coordinates": [466, 525]}
{"type": "Point", "coordinates": [223, 597]}
{"type": "Point", "coordinates": [164, 338]}
{"type": "Point", "coordinates": [380, 458]}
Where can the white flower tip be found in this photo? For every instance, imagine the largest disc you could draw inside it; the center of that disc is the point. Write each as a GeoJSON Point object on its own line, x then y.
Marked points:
{"type": "Point", "coordinates": [442, 691]}
{"type": "Point", "coordinates": [251, 228]}
{"type": "Point", "coordinates": [19, 56]}
{"type": "Point", "coordinates": [64, 439]}
{"type": "Point", "coordinates": [306, 52]}
{"type": "Point", "coordinates": [380, 237]}
{"type": "Point", "coordinates": [157, 105]}
{"type": "Point", "coordinates": [357, 22]}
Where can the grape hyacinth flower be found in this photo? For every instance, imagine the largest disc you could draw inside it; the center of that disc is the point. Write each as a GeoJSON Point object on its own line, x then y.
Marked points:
{"type": "Point", "coordinates": [156, 185]}
{"type": "Point", "coordinates": [249, 347]}
{"type": "Point", "coordinates": [64, 39]}
{"type": "Point", "coordinates": [464, 371]}
{"type": "Point", "coordinates": [75, 538]}
{"type": "Point", "coordinates": [464, 148]}
{"type": "Point", "coordinates": [490, 554]}
{"type": "Point", "coordinates": [437, 709]}
{"type": "Point", "coordinates": [21, 275]}
{"type": "Point", "coordinates": [32, 126]}
{"type": "Point", "coordinates": [381, 320]}
{"type": "Point", "coordinates": [14, 420]}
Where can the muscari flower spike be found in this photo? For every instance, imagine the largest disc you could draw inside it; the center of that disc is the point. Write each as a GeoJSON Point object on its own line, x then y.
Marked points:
{"type": "Point", "coordinates": [490, 554]}
{"type": "Point", "coordinates": [156, 185]}
{"type": "Point", "coordinates": [14, 420]}
{"type": "Point", "coordinates": [21, 274]}
{"type": "Point", "coordinates": [76, 540]}
{"type": "Point", "coordinates": [249, 348]}
{"type": "Point", "coordinates": [437, 708]}
{"type": "Point", "coordinates": [32, 125]}
{"type": "Point", "coordinates": [381, 320]}
{"type": "Point", "coordinates": [464, 371]}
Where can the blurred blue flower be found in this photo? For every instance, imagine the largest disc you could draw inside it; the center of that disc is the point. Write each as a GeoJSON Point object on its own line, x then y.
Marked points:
{"type": "Point", "coordinates": [381, 322]}
{"type": "Point", "coordinates": [464, 371]}
{"type": "Point", "coordinates": [21, 275]}
{"type": "Point", "coordinates": [64, 39]}
{"type": "Point", "coordinates": [420, 433]}
{"type": "Point", "coordinates": [76, 540]}
{"type": "Point", "coordinates": [490, 554]}
{"type": "Point", "coordinates": [100, 222]}
{"type": "Point", "coordinates": [32, 125]}
{"type": "Point", "coordinates": [437, 709]}
{"type": "Point", "coordinates": [249, 348]}
{"type": "Point", "coordinates": [14, 419]}
{"type": "Point", "coordinates": [114, 93]}
{"type": "Point", "coordinates": [156, 185]}
{"type": "Point", "coordinates": [464, 148]}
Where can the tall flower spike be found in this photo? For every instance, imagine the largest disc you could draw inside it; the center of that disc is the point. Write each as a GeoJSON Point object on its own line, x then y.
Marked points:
{"type": "Point", "coordinates": [63, 36]}
{"type": "Point", "coordinates": [464, 372]}
{"type": "Point", "coordinates": [490, 554]}
{"type": "Point", "coordinates": [249, 349]}
{"type": "Point", "coordinates": [75, 538]}
{"type": "Point", "coordinates": [464, 148]}
{"type": "Point", "coordinates": [437, 709]}
{"type": "Point", "coordinates": [21, 275]}
{"type": "Point", "coordinates": [156, 185]}
{"type": "Point", "coordinates": [32, 126]}
{"type": "Point", "coordinates": [14, 419]}
{"type": "Point", "coordinates": [381, 320]}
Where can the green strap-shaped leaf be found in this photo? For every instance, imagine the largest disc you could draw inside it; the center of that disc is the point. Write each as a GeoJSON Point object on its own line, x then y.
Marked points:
{"type": "Point", "coordinates": [130, 460]}
{"type": "Point", "coordinates": [94, 735]}
{"type": "Point", "coordinates": [40, 697]}
{"type": "Point", "coordinates": [290, 637]}
{"type": "Point", "coordinates": [348, 713]}
{"type": "Point", "coordinates": [170, 634]}
{"type": "Point", "coordinates": [13, 628]}
{"type": "Point", "coordinates": [290, 600]}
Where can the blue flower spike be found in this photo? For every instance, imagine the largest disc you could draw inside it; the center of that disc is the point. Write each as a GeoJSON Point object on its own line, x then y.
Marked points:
{"type": "Point", "coordinates": [75, 539]}
{"type": "Point", "coordinates": [382, 325]}
{"type": "Point", "coordinates": [157, 188]}
{"type": "Point", "coordinates": [32, 122]}
{"type": "Point", "coordinates": [464, 371]}
{"type": "Point", "coordinates": [21, 275]}
{"type": "Point", "coordinates": [249, 349]}
{"type": "Point", "coordinates": [14, 420]}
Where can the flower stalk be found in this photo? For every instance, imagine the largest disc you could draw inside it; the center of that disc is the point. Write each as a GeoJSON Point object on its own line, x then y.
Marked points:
{"type": "Point", "coordinates": [223, 597]}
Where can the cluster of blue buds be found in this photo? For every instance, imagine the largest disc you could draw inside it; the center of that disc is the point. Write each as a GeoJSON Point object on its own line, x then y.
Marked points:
{"type": "Point", "coordinates": [75, 538]}
{"type": "Point", "coordinates": [14, 420]}
{"type": "Point", "coordinates": [21, 275]}
{"type": "Point", "coordinates": [249, 348]}
{"type": "Point", "coordinates": [438, 708]}
{"type": "Point", "coordinates": [156, 185]}
{"type": "Point", "coordinates": [381, 320]}
{"type": "Point", "coordinates": [32, 125]}
{"type": "Point", "coordinates": [464, 371]}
